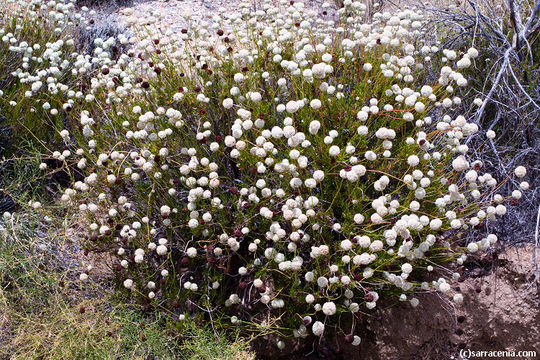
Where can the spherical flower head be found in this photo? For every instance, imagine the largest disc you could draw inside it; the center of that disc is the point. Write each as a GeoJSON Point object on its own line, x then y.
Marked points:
{"type": "Point", "coordinates": [455, 223]}
{"type": "Point", "coordinates": [161, 250]}
{"type": "Point", "coordinates": [329, 308]}
{"type": "Point", "coordinates": [478, 102]}
{"type": "Point", "coordinates": [319, 70]}
{"type": "Point", "coordinates": [460, 163]}
{"type": "Point", "coordinates": [473, 53]}
{"type": "Point", "coordinates": [447, 103]}
{"type": "Point", "coordinates": [310, 183]}
{"type": "Point", "coordinates": [324, 249]}
{"type": "Point", "coordinates": [256, 96]}
{"type": "Point", "coordinates": [239, 77]}
{"type": "Point", "coordinates": [310, 298]}
{"type": "Point", "coordinates": [309, 276]}
{"type": "Point", "coordinates": [426, 91]}
{"type": "Point", "coordinates": [471, 176]}
{"type": "Point", "coordinates": [326, 58]}
{"type": "Point", "coordinates": [370, 155]}
{"type": "Point", "coordinates": [362, 130]}
{"type": "Point", "coordinates": [191, 252]}
{"type": "Point", "coordinates": [315, 104]}
{"type": "Point", "coordinates": [318, 328]}
{"type": "Point", "coordinates": [322, 282]}
{"type": "Point", "coordinates": [128, 283]}
{"type": "Point", "coordinates": [362, 115]}
{"type": "Point", "coordinates": [520, 171]}
{"type": "Point", "coordinates": [358, 218]}
{"type": "Point", "coordinates": [406, 268]}
{"type": "Point", "coordinates": [472, 247]}
{"type": "Point", "coordinates": [318, 175]}
{"type": "Point", "coordinates": [413, 160]}
{"type": "Point", "coordinates": [139, 258]}
{"type": "Point", "coordinates": [444, 287]}
{"type": "Point", "coordinates": [371, 305]}
{"type": "Point", "coordinates": [334, 150]}
{"type": "Point", "coordinates": [363, 241]}
{"type": "Point", "coordinates": [435, 224]}
{"type": "Point", "coordinates": [314, 127]}
{"type": "Point", "coordinates": [501, 209]}
{"type": "Point", "coordinates": [458, 298]}
{"type": "Point", "coordinates": [376, 246]}
{"type": "Point", "coordinates": [193, 223]}
{"type": "Point", "coordinates": [228, 103]}
{"type": "Point", "coordinates": [346, 245]}
{"type": "Point", "coordinates": [165, 210]}
{"type": "Point", "coordinates": [292, 107]}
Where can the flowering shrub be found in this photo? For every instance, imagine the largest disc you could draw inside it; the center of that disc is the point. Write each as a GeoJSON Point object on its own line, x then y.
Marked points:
{"type": "Point", "coordinates": [45, 68]}
{"type": "Point", "coordinates": [278, 171]}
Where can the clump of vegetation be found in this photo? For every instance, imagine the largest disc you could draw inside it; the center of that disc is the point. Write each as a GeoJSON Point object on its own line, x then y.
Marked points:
{"type": "Point", "coordinates": [46, 45]}
{"type": "Point", "coordinates": [505, 76]}
{"type": "Point", "coordinates": [202, 344]}
{"type": "Point", "coordinates": [273, 173]}
{"type": "Point", "coordinates": [33, 35]}
{"type": "Point", "coordinates": [46, 314]}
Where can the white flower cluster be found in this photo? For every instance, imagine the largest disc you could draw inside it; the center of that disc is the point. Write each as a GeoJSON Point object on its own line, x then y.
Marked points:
{"type": "Point", "coordinates": [301, 158]}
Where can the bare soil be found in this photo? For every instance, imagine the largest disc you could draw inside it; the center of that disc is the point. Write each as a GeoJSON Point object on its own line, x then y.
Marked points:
{"type": "Point", "coordinates": [501, 311]}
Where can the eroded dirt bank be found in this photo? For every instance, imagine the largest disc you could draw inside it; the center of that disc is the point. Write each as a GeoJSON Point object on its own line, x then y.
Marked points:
{"type": "Point", "coordinates": [501, 311]}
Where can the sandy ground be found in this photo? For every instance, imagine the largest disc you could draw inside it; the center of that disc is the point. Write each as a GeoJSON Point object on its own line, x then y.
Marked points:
{"type": "Point", "coordinates": [178, 14]}
{"type": "Point", "coordinates": [501, 311]}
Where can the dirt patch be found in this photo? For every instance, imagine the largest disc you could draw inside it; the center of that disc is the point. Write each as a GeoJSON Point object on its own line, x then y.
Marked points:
{"type": "Point", "coordinates": [501, 311]}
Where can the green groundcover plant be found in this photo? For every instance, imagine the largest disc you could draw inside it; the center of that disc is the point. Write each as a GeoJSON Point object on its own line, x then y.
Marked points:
{"type": "Point", "coordinates": [276, 171]}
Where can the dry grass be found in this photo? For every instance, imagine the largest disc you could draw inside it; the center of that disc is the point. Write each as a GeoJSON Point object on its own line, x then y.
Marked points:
{"type": "Point", "coordinates": [47, 313]}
